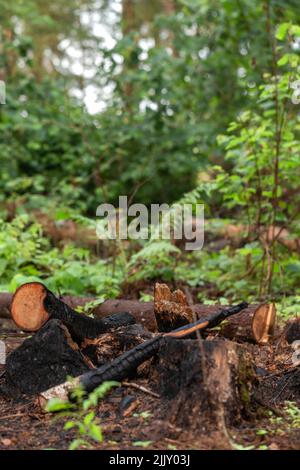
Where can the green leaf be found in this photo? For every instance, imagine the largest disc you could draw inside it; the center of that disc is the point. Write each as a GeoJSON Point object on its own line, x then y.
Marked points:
{"type": "Point", "coordinates": [95, 432]}
{"type": "Point", "coordinates": [56, 404]}
{"type": "Point", "coordinates": [282, 31]}
{"type": "Point", "coordinates": [89, 418]}
{"type": "Point", "coordinates": [69, 425]}
{"type": "Point", "coordinates": [144, 444]}
{"type": "Point", "coordinates": [77, 443]}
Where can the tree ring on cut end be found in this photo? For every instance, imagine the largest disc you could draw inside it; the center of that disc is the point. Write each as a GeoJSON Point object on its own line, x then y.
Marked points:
{"type": "Point", "coordinates": [27, 308]}
{"type": "Point", "coordinates": [263, 323]}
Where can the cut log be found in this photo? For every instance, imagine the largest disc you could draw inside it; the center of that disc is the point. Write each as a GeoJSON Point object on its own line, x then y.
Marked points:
{"type": "Point", "coordinates": [255, 324]}
{"type": "Point", "coordinates": [27, 309]}
{"type": "Point", "coordinates": [128, 362]}
{"type": "Point", "coordinates": [143, 312]}
{"type": "Point", "coordinates": [33, 305]}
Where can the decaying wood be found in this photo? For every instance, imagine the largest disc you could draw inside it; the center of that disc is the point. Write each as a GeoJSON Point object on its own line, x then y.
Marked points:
{"type": "Point", "coordinates": [256, 323]}
{"type": "Point", "coordinates": [33, 305]}
{"type": "Point", "coordinates": [171, 308]}
{"type": "Point", "coordinates": [109, 345]}
{"type": "Point", "coordinates": [128, 362]}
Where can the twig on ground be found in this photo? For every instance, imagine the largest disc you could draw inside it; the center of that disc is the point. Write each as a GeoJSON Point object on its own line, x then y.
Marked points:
{"type": "Point", "coordinates": [141, 388]}
{"type": "Point", "coordinates": [279, 372]}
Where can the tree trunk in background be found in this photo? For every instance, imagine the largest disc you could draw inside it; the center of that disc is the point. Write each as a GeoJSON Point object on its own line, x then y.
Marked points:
{"type": "Point", "coordinates": [128, 16]}
{"type": "Point", "coordinates": [169, 7]}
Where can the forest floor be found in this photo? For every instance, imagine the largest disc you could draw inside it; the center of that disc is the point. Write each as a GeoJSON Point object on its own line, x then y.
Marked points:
{"type": "Point", "coordinates": [24, 425]}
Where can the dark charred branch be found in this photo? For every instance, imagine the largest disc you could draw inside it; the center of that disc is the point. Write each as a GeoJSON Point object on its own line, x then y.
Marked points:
{"type": "Point", "coordinates": [80, 325]}
{"type": "Point", "coordinates": [123, 366]}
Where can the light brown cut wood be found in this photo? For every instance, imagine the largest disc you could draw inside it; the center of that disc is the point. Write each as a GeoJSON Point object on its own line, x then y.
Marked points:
{"type": "Point", "coordinates": [255, 324]}
{"type": "Point", "coordinates": [263, 323]}
{"type": "Point", "coordinates": [27, 308]}
{"type": "Point", "coordinates": [171, 309]}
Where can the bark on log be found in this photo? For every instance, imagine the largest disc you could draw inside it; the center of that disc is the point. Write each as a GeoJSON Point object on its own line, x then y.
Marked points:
{"type": "Point", "coordinates": [143, 312]}
{"type": "Point", "coordinates": [33, 305]}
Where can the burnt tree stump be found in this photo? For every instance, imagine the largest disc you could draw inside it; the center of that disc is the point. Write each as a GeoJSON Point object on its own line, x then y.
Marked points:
{"type": "Point", "coordinates": [197, 393]}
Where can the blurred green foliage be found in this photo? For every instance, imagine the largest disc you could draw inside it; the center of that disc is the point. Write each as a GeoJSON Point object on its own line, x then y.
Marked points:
{"type": "Point", "coordinates": [173, 90]}
{"type": "Point", "coordinates": [195, 94]}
